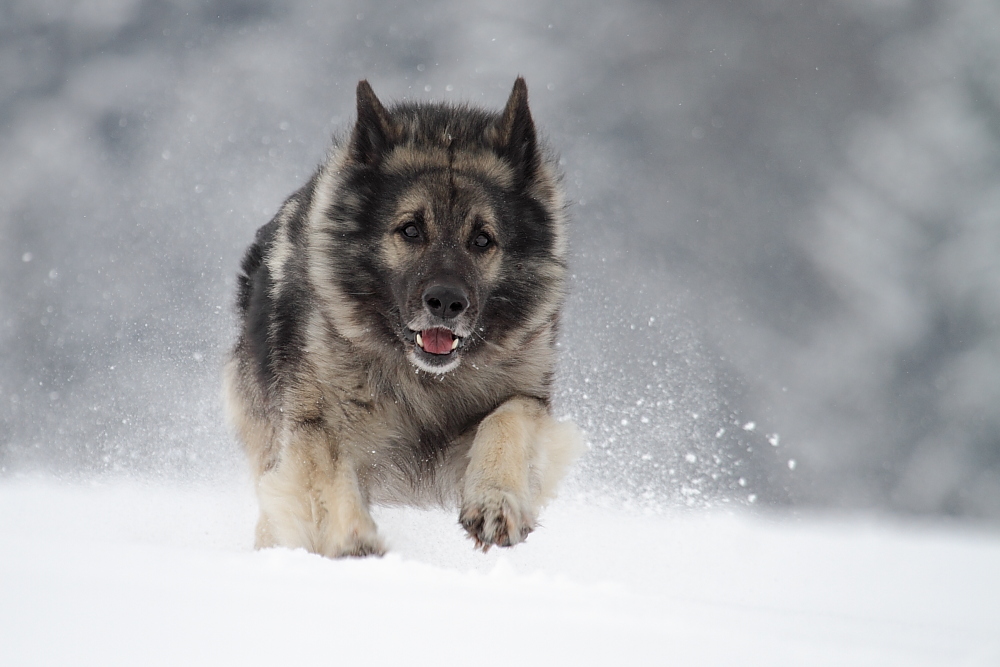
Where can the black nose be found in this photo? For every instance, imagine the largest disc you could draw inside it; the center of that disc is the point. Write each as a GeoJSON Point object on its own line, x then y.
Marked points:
{"type": "Point", "coordinates": [445, 301]}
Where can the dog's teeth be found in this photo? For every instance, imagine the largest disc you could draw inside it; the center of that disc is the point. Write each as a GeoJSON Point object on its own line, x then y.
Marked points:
{"type": "Point", "coordinates": [454, 343]}
{"type": "Point", "coordinates": [420, 339]}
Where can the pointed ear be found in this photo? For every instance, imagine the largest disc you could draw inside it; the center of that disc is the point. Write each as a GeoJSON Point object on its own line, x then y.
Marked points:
{"type": "Point", "coordinates": [374, 131]}
{"type": "Point", "coordinates": [514, 137]}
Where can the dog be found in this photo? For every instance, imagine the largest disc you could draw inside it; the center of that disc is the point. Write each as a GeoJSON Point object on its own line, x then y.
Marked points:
{"type": "Point", "coordinates": [398, 322]}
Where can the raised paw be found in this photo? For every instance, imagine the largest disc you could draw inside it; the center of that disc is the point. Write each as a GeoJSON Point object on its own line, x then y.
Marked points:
{"type": "Point", "coordinates": [495, 518]}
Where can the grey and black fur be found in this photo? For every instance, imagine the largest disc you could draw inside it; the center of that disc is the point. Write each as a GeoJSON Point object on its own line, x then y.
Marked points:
{"type": "Point", "coordinates": [398, 328]}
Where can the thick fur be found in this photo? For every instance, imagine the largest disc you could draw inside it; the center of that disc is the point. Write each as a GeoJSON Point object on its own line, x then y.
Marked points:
{"type": "Point", "coordinates": [430, 218]}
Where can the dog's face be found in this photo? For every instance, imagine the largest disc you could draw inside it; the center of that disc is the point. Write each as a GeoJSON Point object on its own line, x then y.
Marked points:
{"type": "Point", "coordinates": [443, 247]}
{"type": "Point", "coordinates": [453, 243]}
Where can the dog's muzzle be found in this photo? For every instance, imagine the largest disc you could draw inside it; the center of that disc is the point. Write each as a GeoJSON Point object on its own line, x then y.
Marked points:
{"type": "Point", "coordinates": [438, 332]}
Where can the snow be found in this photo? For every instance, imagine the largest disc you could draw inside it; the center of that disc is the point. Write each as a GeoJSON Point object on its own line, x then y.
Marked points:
{"type": "Point", "coordinates": [159, 573]}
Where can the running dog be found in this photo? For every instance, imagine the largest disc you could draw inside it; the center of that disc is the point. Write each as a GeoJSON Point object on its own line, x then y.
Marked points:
{"type": "Point", "coordinates": [398, 322]}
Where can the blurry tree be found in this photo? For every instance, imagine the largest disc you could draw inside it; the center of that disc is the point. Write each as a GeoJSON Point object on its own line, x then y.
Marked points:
{"type": "Point", "coordinates": [785, 243]}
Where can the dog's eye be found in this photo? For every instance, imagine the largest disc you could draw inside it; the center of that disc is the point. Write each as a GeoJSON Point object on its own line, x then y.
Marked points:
{"type": "Point", "coordinates": [411, 232]}
{"type": "Point", "coordinates": [482, 241]}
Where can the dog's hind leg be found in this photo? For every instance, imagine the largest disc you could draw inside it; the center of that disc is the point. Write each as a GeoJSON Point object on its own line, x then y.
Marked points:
{"type": "Point", "coordinates": [516, 460]}
{"type": "Point", "coordinates": [311, 499]}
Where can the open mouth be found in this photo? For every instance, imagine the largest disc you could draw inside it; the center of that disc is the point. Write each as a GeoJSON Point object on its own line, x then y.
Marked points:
{"type": "Point", "coordinates": [439, 341]}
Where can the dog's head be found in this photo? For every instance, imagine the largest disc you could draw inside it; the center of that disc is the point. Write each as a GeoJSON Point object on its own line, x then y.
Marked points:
{"type": "Point", "coordinates": [448, 226]}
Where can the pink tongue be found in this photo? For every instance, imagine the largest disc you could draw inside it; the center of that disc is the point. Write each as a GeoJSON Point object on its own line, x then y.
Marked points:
{"type": "Point", "coordinates": [437, 341]}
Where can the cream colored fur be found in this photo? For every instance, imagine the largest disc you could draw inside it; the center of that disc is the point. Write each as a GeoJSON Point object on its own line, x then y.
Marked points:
{"type": "Point", "coordinates": [313, 501]}
{"type": "Point", "coordinates": [517, 459]}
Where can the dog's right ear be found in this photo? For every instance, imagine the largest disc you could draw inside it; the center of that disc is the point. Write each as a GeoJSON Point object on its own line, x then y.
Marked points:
{"type": "Point", "coordinates": [514, 135]}
{"type": "Point", "coordinates": [374, 131]}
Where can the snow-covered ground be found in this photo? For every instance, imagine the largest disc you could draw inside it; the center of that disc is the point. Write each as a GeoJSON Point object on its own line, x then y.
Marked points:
{"type": "Point", "coordinates": [143, 573]}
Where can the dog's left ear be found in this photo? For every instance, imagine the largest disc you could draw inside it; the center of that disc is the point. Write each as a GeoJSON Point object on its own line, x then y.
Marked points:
{"type": "Point", "coordinates": [374, 132]}
{"type": "Point", "coordinates": [514, 134]}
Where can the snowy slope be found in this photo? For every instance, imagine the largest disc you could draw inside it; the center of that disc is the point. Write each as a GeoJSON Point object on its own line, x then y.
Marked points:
{"type": "Point", "coordinates": [131, 573]}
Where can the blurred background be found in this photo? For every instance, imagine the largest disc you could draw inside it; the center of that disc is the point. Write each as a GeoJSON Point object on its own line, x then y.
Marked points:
{"type": "Point", "coordinates": [785, 243]}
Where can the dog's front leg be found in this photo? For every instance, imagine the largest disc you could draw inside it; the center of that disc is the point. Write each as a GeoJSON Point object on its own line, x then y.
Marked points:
{"type": "Point", "coordinates": [497, 497]}
{"type": "Point", "coordinates": [312, 499]}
